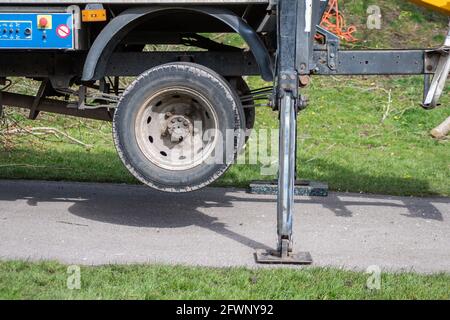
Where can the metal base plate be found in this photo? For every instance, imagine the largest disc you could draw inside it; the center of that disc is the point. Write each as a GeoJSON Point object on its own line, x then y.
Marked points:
{"type": "Point", "coordinates": [302, 188]}
{"type": "Point", "coordinates": [274, 257]}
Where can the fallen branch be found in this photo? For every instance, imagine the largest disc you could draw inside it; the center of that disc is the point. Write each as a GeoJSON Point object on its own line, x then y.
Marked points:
{"type": "Point", "coordinates": [387, 108]}
{"type": "Point", "coordinates": [47, 130]}
{"type": "Point", "coordinates": [441, 130]}
{"type": "Point", "coordinates": [56, 132]}
{"type": "Point", "coordinates": [322, 154]}
{"type": "Point", "coordinates": [25, 165]}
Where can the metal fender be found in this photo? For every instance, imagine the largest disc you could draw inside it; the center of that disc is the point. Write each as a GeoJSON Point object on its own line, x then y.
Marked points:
{"type": "Point", "coordinates": [108, 39]}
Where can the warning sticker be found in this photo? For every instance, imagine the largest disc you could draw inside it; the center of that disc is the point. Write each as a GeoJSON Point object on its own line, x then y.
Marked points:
{"type": "Point", "coordinates": [63, 31]}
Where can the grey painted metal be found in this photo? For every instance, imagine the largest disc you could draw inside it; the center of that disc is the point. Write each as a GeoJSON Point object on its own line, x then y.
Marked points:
{"type": "Point", "coordinates": [287, 99]}
{"type": "Point", "coordinates": [53, 106]}
{"type": "Point", "coordinates": [70, 65]}
{"type": "Point", "coordinates": [331, 46]}
{"type": "Point", "coordinates": [374, 62]}
{"type": "Point", "coordinates": [287, 162]}
{"type": "Point", "coordinates": [225, 63]}
{"type": "Point", "coordinates": [308, 16]}
{"type": "Point", "coordinates": [46, 9]}
{"type": "Point", "coordinates": [440, 77]}
{"type": "Point", "coordinates": [273, 257]}
{"type": "Point", "coordinates": [104, 45]}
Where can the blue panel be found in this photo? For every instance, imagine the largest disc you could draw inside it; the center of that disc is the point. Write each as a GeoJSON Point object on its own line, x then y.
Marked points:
{"type": "Point", "coordinates": [22, 31]}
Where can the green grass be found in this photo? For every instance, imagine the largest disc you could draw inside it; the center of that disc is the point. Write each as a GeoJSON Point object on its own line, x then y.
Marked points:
{"type": "Point", "coordinates": [403, 24]}
{"type": "Point", "coordinates": [22, 280]}
{"type": "Point", "coordinates": [342, 140]}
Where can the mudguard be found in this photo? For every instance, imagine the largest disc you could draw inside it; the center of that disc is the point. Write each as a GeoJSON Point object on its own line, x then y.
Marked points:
{"type": "Point", "coordinates": [106, 42]}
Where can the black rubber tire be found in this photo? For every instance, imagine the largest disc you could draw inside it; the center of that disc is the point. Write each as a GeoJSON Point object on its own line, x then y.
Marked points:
{"type": "Point", "coordinates": [213, 87]}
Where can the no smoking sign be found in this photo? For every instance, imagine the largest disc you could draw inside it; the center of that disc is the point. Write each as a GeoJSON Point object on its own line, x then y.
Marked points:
{"type": "Point", "coordinates": [63, 31]}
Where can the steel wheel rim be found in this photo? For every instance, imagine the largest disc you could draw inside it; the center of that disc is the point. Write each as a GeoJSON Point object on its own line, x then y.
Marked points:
{"type": "Point", "coordinates": [177, 128]}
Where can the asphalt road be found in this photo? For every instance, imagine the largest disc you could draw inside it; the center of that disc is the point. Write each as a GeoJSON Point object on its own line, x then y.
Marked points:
{"type": "Point", "coordinates": [82, 223]}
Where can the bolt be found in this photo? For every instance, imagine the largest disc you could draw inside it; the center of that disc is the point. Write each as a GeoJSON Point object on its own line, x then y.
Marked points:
{"type": "Point", "coordinates": [304, 80]}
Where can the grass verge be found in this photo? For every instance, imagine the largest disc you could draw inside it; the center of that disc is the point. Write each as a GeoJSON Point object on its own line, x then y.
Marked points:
{"type": "Point", "coordinates": [23, 280]}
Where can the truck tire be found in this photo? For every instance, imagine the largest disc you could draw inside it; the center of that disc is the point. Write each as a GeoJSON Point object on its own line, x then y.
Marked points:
{"type": "Point", "coordinates": [169, 124]}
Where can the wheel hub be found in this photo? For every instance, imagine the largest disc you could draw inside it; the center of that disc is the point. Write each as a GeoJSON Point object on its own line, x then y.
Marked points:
{"type": "Point", "coordinates": [179, 127]}
{"type": "Point", "coordinates": [166, 133]}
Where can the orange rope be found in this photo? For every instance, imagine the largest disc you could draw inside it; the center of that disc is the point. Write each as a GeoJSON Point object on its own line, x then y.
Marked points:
{"type": "Point", "coordinates": [334, 21]}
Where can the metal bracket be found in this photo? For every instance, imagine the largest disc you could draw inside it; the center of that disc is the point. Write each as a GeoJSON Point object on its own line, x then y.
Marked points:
{"type": "Point", "coordinates": [34, 112]}
{"type": "Point", "coordinates": [283, 256]}
{"type": "Point", "coordinates": [288, 82]}
{"type": "Point", "coordinates": [332, 45]}
{"type": "Point", "coordinates": [83, 94]}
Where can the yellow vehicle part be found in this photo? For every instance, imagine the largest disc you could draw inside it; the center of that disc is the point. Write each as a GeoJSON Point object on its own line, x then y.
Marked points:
{"type": "Point", "coordinates": [438, 5]}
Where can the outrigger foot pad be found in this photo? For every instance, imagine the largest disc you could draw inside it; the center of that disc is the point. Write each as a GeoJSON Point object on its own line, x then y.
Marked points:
{"type": "Point", "coordinates": [275, 257]}
{"type": "Point", "coordinates": [302, 188]}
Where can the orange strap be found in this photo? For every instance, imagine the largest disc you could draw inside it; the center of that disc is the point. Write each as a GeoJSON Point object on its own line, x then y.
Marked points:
{"type": "Point", "coordinates": [334, 21]}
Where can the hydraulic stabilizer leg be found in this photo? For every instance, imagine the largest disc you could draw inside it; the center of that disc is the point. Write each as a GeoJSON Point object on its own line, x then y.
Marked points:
{"type": "Point", "coordinates": [295, 36]}
{"type": "Point", "coordinates": [286, 181]}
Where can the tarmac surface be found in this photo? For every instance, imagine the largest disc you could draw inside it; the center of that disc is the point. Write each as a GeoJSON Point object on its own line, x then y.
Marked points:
{"type": "Point", "coordinates": [94, 224]}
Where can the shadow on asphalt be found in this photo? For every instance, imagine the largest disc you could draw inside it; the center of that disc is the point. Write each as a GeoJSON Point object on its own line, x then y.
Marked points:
{"type": "Point", "coordinates": [139, 206]}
